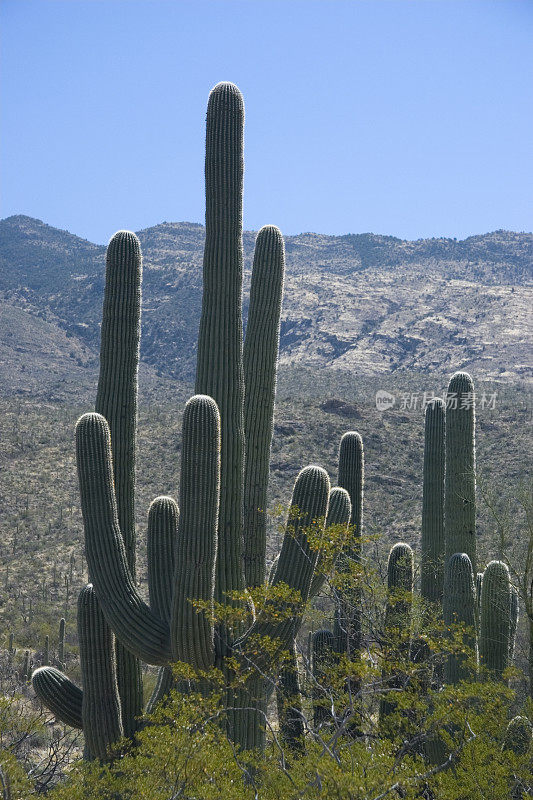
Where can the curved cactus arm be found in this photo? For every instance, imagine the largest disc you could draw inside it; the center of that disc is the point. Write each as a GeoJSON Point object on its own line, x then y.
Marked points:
{"type": "Point", "coordinates": [116, 400]}
{"type": "Point", "coordinates": [432, 539]}
{"type": "Point", "coordinates": [191, 627]}
{"type": "Point", "coordinates": [138, 628]}
{"type": "Point", "coordinates": [219, 371]}
{"type": "Point", "coordinates": [460, 480]}
{"type": "Point", "coordinates": [297, 558]}
{"type": "Point", "coordinates": [163, 517]}
{"type": "Point", "coordinates": [260, 357]}
{"type": "Point", "coordinates": [459, 607]}
{"type": "Point", "coordinates": [59, 694]}
{"type": "Point", "coordinates": [339, 513]}
{"type": "Point", "coordinates": [100, 710]}
{"type": "Point", "coordinates": [495, 623]}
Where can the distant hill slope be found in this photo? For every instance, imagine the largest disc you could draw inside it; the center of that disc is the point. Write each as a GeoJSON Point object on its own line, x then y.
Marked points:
{"type": "Point", "coordinates": [366, 303]}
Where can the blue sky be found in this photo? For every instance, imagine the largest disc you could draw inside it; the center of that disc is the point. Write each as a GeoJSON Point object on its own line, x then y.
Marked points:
{"type": "Point", "coordinates": [405, 117]}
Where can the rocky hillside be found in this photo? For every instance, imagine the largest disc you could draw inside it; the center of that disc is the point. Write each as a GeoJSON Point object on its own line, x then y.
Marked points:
{"type": "Point", "coordinates": [364, 303]}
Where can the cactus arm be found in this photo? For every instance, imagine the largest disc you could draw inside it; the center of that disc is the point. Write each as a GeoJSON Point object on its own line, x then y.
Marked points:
{"type": "Point", "coordinates": [139, 629]}
{"type": "Point", "coordinates": [100, 710]}
{"type": "Point", "coordinates": [191, 628]}
{"type": "Point", "coordinates": [219, 372]}
{"type": "Point", "coordinates": [397, 615]}
{"type": "Point", "coordinates": [351, 478]}
{"type": "Point", "coordinates": [432, 540]}
{"type": "Point", "coordinates": [297, 558]}
{"type": "Point", "coordinates": [460, 481]}
{"type": "Point", "coordinates": [495, 623]}
{"type": "Point", "coordinates": [339, 513]}
{"type": "Point", "coordinates": [116, 400]}
{"type": "Point", "coordinates": [459, 608]}
{"type": "Point", "coordinates": [163, 517]}
{"type": "Point", "coordinates": [260, 356]}
{"type": "Point", "coordinates": [59, 694]}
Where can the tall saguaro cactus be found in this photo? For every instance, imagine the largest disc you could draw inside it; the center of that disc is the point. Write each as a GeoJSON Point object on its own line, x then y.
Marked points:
{"type": "Point", "coordinates": [460, 491]}
{"type": "Point", "coordinates": [432, 543]}
{"type": "Point", "coordinates": [196, 557]}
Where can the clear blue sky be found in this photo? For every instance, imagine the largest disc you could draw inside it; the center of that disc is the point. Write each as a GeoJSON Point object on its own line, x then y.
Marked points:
{"type": "Point", "coordinates": [404, 117]}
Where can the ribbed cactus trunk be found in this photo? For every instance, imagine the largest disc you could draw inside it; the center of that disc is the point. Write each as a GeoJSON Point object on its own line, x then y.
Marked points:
{"type": "Point", "coordinates": [432, 542]}
{"type": "Point", "coordinates": [460, 483]}
{"type": "Point", "coordinates": [116, 400]}
{"type": "Point", "coordinates": [495, 623]}
{"type": "Point", "coordinates": [459, 611]}
{"type": "Point", "coordinates": [514, 615]}
{"type": "Point", "coordinates": [398, 622]}
{"type": "Point", "coordinates": [260, 356]}
{"type": "Point", "coordinates": [100, 709]}
{"type": "Point", "coordinates": [219, 370]}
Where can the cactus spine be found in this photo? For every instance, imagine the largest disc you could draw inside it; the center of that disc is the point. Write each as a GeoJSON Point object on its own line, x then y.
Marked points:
{"type": "Point", "coordinates": [460, 610]}
{"type": "Point", "coordinates": [495, 624]}
{"type": "Point", "coordinates": [432, 543]}
{"type": "Point", "coordinates": [460, 483]}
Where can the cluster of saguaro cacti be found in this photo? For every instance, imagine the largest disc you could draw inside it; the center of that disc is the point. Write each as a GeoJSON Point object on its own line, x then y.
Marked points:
{"type": "Point", "coordinates": [213, 549]}
{"type": "Point", "coordinates": [479, 610]}
{"type": "Point", "coordinates": [482, 605]}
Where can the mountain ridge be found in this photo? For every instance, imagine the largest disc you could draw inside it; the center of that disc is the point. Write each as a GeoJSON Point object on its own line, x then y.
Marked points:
{"type": "Point", "coordinates": [366, 303]}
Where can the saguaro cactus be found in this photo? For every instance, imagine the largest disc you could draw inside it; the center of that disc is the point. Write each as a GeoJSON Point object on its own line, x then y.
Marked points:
{"type": "Point", "coordinates": [495, 623]}
{"type": "Point", "coordinates": [209, 559]}
{"type": "Point", "coordinates": [460, 610]}
{"type": "Point", "coordinates": [432, 543]}
{"type": "Point", "coordinates": [460, 483]}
